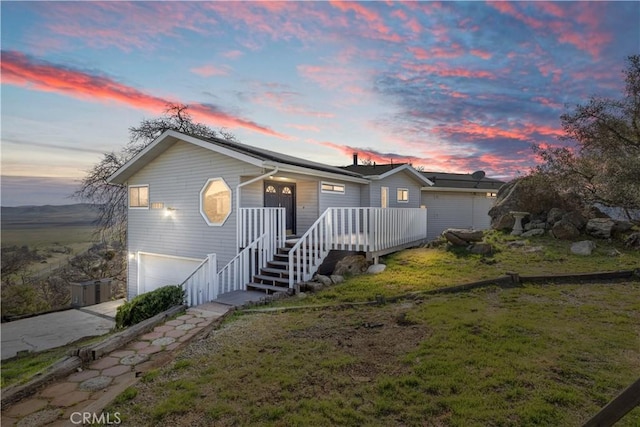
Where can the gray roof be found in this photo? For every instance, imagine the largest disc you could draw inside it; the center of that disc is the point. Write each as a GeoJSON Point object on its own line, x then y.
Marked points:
{"type": "Point", "coordinates": [461, 180]}
{"type": "Point", "coordinates": [263, 154]}
{"type": "Point", "coordinates": [369, 170]}
{"type": "Point", "coordinates": [440, 179]}
{"type": "Point", "coordinates": [353, 172]}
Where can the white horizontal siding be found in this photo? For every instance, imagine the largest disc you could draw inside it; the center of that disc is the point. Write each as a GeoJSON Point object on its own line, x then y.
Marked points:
{"type": "Point", "coordinates": [350, 198]}
{"type": "Point", "coordinates": [393, 182]}
{"type": "Point", "coordinates": [456, 210]}
{"type": "Point", "coordinates": [175, 178]}
{"type": "Point", "coordinates": [306, 205]}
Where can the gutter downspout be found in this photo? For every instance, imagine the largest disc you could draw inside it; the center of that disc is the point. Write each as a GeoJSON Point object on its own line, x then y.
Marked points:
{"type": "Point", "coordinates": [238, 187]}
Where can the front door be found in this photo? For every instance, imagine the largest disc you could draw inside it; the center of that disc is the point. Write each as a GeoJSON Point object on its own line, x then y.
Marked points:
{"type": "Point", "coordinates": [282, 195]}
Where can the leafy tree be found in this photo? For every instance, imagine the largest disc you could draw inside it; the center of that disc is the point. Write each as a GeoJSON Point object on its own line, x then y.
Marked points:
{"type": "Point", "coordinates": [603, 165]}
{"type": "Point", "coordinates": [110, 198]}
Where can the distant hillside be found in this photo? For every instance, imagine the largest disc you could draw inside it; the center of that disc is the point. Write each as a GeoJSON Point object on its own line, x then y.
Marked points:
{"type": "Point", "coordinates": [48, 216]}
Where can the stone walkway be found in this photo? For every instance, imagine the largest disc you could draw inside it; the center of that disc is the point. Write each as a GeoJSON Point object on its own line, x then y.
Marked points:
{"type": "Point", "coordinates": [88, 391]}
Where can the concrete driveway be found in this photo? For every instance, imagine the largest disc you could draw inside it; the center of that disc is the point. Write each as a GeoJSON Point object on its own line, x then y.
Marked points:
{"type": "Point", "coordinates": [57, 329]}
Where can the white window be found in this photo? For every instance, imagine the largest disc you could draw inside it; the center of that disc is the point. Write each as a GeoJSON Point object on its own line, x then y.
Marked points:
{"type": "Point", "coordinates": [215, 201]}
{"type": "Point", "coordinates": [330, 187]}
{"type": "Point", "coordinates": [403, 195]}
{"type": "Point", "coordinates": [384, 197]}
{"type": "Point", "coordinates": [139, 196]}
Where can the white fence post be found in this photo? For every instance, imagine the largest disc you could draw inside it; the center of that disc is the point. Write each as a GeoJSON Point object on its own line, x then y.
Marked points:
{"type": "Point", "coordinates": [212, 288]}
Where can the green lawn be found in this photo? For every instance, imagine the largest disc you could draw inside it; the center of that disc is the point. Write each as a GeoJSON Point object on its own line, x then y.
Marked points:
{"type": "Point", "coordinates": [535, 355]}
{"type": "Point", "coordinates": [532, 355]}
{"type": "Point", "coordinates": [424, 269]}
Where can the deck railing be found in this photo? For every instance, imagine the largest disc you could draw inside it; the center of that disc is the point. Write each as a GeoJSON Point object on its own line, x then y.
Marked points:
{"type": "Point", "coordinates": [254, 222]}
{"type": "Point", "coordinates": [355, 229]}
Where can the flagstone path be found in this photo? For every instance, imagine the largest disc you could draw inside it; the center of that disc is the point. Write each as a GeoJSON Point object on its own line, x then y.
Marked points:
{"type": "Point", "coordinates": [90, 390]}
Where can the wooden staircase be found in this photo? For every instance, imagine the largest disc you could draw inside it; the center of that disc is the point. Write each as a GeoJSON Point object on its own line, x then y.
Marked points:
{"type": "Point", "coordinates": [275, 276]}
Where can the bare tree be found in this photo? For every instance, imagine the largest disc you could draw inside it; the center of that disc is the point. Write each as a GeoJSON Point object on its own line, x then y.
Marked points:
{"type": "Point", "coordinates": [111, 199]}
{"type": "Point", "coordinates": [603, 165]}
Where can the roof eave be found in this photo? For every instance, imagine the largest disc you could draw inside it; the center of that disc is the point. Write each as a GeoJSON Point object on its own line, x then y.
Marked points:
{"type": "Point", "coordinates": [284, 167]}
{"type": "Point", "coordinates": [459, 189]}
{"type": "Point", "coordinates": [409, 169]}
{"type": "Point", "coordinates": [162, 143]}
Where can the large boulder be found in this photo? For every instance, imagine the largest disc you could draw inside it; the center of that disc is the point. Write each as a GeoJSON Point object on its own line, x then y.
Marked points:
{"type": "Point", "coordinates": [351, 265]}
{"type": "Point", "coordinates": [554, 215]}
{"type": "Point", "coordinates": [575, 218]}
{"type": "Point", "coordinates": [534, 194]}
{"type": "Point", "coordinates": [504, 223]}
{"type": "Point", "coordinates": [462, 236]}
{"type": "Point", "coordinates": [600, 227]}
{"type": "Point", "coordinates": [508, 199]}
{"type": "Point", "coordinates": [621, 227]}
{"type": "Point", "coordinates": [564, 230]}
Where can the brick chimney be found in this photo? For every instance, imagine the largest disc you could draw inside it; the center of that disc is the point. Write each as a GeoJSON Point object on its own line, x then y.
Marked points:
{"type": "Point", "coordinates": [355, 159]}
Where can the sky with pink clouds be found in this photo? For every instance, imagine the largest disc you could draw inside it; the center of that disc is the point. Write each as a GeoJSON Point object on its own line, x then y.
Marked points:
{"type": "Point", "coordinates": [450, 86]}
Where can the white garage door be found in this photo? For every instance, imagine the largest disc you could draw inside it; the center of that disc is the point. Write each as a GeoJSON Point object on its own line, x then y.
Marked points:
{"type": "Point", "coordinates": [456, 210]}
{"type": "Point", "coordinates": [157, 270]}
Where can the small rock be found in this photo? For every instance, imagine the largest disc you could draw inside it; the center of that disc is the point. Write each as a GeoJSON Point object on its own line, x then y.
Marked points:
{"type": "Point", "coordinates": [462, 236]}
{"type": "Point", "coordinates": [336, 278]}
{"type": "Point", "coordinates": [536, 224]}
{"type": "Point", "coordinates": [600, 227]}
{"type": "Point", "coordinates": [533, 232]}
{"type": "Point", "coordinates": [633, 240]}
{"type": "Point", "coordinates": [533, 249]}
{"type": "Point", "coordinates": [325, 280]}
{"type": "Point", "coordinates": [584, 247]}
{"type": "Point", "coordinates": [376, 268]}
{"type": "Point", "coordinates": [614, 252]}
{"type": "Point", "coordinates": [517, 243]}
{"type": "Point", "coordinates": [351, 265]}
{"type": "Point", "coordinates": [481, 248]}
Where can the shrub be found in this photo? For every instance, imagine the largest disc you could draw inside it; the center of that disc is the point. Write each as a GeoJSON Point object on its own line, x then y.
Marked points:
{"type": "Point", "coordinates": [148, 305]}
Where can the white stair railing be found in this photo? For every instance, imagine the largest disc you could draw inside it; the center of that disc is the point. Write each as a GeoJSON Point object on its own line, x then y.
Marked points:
{"type": "Point", "coordinates": [261, 231]}
{"type": "Point", "coordinates": [201, 285]}
{"type": "Point", "coordinates": [254, 222]}
{"type": "Point", "coordinates": [354, 229]}
{"type": "Point", "coordinates": [239, 271]}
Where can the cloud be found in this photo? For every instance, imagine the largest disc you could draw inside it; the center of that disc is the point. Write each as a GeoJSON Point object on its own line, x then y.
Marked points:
{"type": "Point", "coordinates": [22, 70]}
{"type": "Point", "coordinates": [574, 23]}
{"type": "Point", "coordinates": [209, 70]}
{"type": "Point", "coordinates": [376, 27]}
{"type": "Point", "coordinates": [73, 149]}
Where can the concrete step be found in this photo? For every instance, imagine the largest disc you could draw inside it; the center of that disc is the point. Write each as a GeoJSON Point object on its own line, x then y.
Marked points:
{"type": "Point", "coordinates": [266, 287]}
